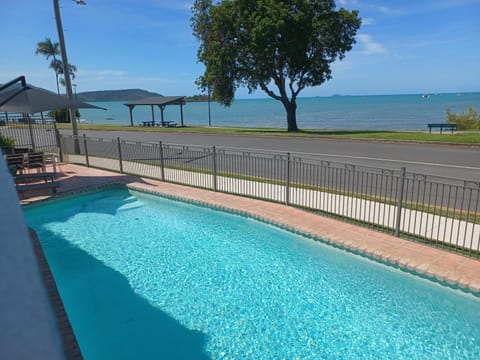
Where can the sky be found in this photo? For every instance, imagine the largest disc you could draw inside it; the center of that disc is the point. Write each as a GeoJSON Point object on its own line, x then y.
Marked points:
{"type": "Point", "coordinates": [403, 47]}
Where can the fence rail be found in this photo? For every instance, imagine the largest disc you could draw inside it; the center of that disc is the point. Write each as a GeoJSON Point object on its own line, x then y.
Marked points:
{"type": "Point", "coordinates": [443, 212]}
{"type": "Point", "coordinates": [30, 132]}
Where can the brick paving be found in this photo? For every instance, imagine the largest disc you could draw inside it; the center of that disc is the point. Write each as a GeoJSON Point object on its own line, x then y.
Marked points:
{"type": "Point", "coordinates": [431, 262]}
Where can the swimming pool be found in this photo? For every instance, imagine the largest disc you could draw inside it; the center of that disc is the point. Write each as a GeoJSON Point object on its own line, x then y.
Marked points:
{"type": "Point", "coordinates": [148, 277]}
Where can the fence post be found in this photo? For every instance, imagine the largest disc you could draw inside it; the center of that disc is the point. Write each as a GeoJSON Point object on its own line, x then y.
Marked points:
{"type": "Point", "coordinates": [400, 201]}
{"type": "Point", "coordinates": [86, 150]}
{"type": "Point", "coordinates": [287, 180]}
{"type": "Point", "coordinates": [58, 138]}
{"type": "Point", "coordinates": [162, 165]}
{"type": "Point", "coordinates": [214, 169]}
{"type": "Point", "coordinates": [120, 155]}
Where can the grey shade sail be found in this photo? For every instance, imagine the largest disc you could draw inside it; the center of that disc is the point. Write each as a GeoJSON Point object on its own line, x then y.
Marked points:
{"type": "Point", "coordinates": [31, 99]}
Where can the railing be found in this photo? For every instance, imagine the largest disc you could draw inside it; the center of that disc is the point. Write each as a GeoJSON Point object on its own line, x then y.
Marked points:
{"type": "Point", "coordinates": [443, 212]}
{"type": "Point", "coordinates": [33, 133]}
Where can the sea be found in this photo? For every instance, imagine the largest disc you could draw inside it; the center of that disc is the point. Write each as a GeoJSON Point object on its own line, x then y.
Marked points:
{"type": "Point", "coordinates": [373, 112]}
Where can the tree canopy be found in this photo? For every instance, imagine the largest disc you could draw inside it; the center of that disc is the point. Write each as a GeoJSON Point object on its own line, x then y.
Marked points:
{"type": "Point", "coordinates": [279, 46]}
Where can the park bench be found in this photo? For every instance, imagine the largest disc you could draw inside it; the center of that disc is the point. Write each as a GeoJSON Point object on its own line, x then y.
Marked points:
{"type": "Point", "coordinates": [442, 126]}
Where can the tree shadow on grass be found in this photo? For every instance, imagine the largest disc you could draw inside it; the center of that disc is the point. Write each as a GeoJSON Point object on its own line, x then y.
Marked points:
{"type": "Point", "coordinates": [108, 318]}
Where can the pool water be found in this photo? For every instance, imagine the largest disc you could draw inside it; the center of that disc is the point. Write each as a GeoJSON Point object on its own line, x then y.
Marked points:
{"type": "Point", "coordinates": [144, 277]}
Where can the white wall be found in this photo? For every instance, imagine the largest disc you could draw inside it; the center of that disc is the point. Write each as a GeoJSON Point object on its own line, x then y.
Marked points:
{"type": "Point", "coordinates": [28, 327]}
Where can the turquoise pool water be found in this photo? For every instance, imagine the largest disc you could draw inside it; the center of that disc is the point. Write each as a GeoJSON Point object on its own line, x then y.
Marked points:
{"type": "Point", "coordinates": [144, 277]}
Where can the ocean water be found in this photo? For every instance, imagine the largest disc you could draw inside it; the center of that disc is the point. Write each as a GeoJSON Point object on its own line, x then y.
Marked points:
{"type": "Point", "coordinates": [152, 278]}
{"type": "Point", "coordinates": [379, 112]}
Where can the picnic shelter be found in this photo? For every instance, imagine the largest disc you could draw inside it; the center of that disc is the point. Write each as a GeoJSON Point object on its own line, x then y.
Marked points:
{"type": "Point", "coordinates": [162, 102]}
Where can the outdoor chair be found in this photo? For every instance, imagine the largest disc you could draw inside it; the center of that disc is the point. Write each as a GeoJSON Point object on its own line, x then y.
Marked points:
{"type": "Point", "coordinates": [36, 160]}
{"type": "Point", "coordinates": [16, 163]}
{"type": "Point", "coordinates": [22, 150]}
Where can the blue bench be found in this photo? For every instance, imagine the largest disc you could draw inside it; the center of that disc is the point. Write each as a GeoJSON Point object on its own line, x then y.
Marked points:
{"type": "Point", "coordinates": [442, 126]}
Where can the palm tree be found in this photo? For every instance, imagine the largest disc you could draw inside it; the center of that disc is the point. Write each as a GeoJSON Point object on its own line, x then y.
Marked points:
{"type": "Point", "coordinates": [50, 49]}
{"type": "Point", "coordinates": [57, 66]}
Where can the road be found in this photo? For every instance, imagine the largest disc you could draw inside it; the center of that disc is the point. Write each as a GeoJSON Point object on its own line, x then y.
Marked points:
{"type": "Point", "coordinates": [440, 160]}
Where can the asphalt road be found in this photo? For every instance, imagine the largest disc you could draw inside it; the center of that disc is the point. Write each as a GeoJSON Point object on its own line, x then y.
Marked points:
{"type": "Point", "coordinates": [441, 160]}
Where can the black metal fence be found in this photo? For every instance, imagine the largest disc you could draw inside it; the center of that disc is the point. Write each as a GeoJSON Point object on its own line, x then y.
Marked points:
{"type": "Point", "coordinates": [32, 133]}
{"type": "Point", "coordinates": [444, 212]}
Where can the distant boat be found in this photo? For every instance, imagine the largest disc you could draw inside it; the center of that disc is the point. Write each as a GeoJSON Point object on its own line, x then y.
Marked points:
{"type": "Point", "coordinates": [425, 96]}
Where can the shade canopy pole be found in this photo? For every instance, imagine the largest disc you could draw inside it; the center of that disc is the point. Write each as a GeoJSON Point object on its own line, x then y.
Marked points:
{"type": "Point", "coordinates": [130, 107]}
{"type": "Point", "coordinates": [153, 115]}
{"type": "Point", "coordinates": [181, 114]}
{"type": "Point", "coordinates": [162, 107]}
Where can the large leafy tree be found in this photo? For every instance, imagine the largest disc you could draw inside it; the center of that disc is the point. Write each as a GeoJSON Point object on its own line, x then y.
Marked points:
{"type": "Point", "coordinates": [51, 49]}
{"type": "Point", "coordinates": [279, 46]}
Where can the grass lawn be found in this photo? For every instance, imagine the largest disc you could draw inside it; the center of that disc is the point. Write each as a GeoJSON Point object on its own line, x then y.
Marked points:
{"type": "Point", "coordinates": [464, 137]}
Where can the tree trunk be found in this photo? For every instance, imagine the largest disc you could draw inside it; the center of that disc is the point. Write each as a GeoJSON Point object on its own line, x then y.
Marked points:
{"type": "Point", "coordinates": [56, 78]}
{"type": "Point", "coordinates": [291, 109]}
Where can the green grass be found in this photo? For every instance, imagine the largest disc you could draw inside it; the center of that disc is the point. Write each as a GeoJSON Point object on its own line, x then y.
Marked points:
{"type": "Point", "coordinates": [467, 137]}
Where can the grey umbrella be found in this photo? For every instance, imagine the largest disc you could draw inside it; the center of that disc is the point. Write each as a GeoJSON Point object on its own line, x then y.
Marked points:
{"type": "Point", "coordinates": [26, 98]}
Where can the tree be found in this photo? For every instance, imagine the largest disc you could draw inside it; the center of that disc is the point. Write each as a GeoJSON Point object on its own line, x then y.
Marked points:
{"type": "Point", "coordinates": [58, 67]}
{"type": "Point", "coordinates": [51, 49]}
{"type": "Point", "coordinates": [279, 46]}
{"type": "Point", "coordinates": [62, 115]}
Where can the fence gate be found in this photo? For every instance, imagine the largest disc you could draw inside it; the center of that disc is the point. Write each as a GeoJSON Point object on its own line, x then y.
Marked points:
{"type": "Point", "coordinates": [33, 133]}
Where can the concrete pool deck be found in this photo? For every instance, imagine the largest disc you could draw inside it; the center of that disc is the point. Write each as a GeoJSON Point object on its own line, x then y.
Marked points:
{"type": "Point", "coordinates": [434, 263]}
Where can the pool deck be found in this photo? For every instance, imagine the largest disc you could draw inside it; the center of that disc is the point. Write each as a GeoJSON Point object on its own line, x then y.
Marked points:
{"type": "Point", "coordinates": [434, 263]}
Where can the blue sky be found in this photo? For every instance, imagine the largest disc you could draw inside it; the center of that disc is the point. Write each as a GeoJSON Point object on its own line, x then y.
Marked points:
{"type": "Point", "coordinates": [427, 46]}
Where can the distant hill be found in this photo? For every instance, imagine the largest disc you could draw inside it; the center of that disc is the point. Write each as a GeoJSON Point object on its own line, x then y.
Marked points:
{"type": "Point", "coordinates": [197, 98]}
{"type": "Point", "coordinates": [115, 95]}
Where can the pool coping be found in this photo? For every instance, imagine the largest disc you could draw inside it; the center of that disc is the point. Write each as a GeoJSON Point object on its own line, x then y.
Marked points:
{"type": "Point", "coordinates": [71, 349]}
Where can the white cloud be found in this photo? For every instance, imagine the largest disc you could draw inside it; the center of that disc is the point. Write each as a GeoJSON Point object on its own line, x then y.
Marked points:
{"type": "Point", "coordinates": [390, 11]}
{"type": "Point", "coordinates": [370, 46]}
{"type": "Point", "coordinates": [101, 73]}
{"type": "Point", "coordinates": [347, 2]}
{"type": "Point", "coordinates": [384, 9]}
{"type": "Point", "coordinates": [368, 21]}
{"type": "Point", "coordinates": [174, 5]}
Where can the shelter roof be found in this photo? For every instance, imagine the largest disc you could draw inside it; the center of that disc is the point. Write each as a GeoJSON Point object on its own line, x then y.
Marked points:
{"type": "Point", "coordinates": [158, 100]}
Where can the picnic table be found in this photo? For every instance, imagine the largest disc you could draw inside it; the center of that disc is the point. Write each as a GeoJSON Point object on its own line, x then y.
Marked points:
{"type": "Point", "coordinates": [168, 124]}
{"type": "Point", "coordinates": [161, 123]}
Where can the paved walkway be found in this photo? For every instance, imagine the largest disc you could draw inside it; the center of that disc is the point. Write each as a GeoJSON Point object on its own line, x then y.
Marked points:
{"type": "Point", "coordinates": [431, 262]}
